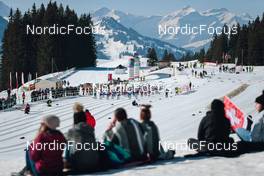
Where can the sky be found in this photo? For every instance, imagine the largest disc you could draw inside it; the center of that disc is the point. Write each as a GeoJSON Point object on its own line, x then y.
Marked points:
{"type": "Point", "coordinates": [150, 7]}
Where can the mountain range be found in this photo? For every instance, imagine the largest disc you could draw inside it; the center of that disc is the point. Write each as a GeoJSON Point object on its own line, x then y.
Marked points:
{"type": "Point", "coordinates": [118, 40]}
{"type": "Point", "coordinates": [149, 25]}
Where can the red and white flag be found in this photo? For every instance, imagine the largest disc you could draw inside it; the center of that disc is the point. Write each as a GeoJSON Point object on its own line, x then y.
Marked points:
{"type": "Point", "coordinates": [234, 114]}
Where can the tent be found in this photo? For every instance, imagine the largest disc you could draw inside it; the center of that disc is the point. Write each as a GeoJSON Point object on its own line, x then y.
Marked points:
{"type": "Point", "coordinates": [120, 69]}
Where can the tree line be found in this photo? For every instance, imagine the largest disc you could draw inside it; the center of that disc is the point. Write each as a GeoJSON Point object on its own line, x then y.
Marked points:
{"type": "Point", "coordinates": [247, 45]}
{"type": "Point", "coordinates": [153, 58]}
{"type": "Point", "coordinates": [30, 53]}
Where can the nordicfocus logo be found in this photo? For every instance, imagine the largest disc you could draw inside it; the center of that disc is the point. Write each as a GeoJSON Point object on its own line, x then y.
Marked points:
{"type": "Point", "coordinates": [56, 29]}
{"type": "Point", "coordinates": [200, 146]}
{"type": "Point", "coordinates": [188, 29]}
{"type": "Point", "coordinates": [69, 145]}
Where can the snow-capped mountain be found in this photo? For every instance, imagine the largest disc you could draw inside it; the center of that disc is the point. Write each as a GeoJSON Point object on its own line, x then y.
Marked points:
{"type": "Point", "coordinates": [4, 13]}
{"type": "Point", "coordinates": [4, 9]}
{"type": "Point", "coordinates": [149, 26]}
{"type": "Point", "coordinates": [118, 40]}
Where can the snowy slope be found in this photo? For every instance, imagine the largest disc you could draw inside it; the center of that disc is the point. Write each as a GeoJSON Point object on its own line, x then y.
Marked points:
{"type": "Point", "coordinates": [118, 40]}
{"type": "Point", "coordinates": [173, 115]}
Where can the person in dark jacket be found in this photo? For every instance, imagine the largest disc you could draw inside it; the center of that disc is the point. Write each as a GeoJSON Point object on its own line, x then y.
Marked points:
{"type": "Point", "coordinates": [152, 143]}
{"type": "Point", "coordinates": [41, 159]}
{"type": "Point", "coordinates": [150, 132]}
{"type": "Point", "coordinates": [27, 109]}
{"type": "Point", "coordinates": [214, 129]}
{"type": "Point", "coordinates": [86, 158]}
{"type": "Point", "coordinates": [79, 114]}
{"type": "Point", "coordinates": [127, 134]}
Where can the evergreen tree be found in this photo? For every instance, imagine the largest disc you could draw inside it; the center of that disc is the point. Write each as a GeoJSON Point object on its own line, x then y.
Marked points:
{"type": "Point", "coordinates": [152, 55]}
{"type": "Point", "coordinates": [30, 53]}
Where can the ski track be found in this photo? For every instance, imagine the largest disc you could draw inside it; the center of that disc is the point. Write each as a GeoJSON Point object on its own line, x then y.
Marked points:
{"type": "Point", "coordinates": [98, 109]}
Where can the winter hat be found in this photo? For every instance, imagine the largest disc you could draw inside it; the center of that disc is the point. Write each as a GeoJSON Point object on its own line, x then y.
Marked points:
{"type": "Point", "coordinates": [78, 107]}
{"type": "Point", "coordinates": [260, 99]}
{"type": "Point", "coordinates": [51, 121]}
{"type": "Point", "coordinates": [217, 105]}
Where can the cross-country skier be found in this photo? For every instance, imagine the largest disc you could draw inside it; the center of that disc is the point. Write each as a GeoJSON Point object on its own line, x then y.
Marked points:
{"type": "Point", "coordinates": [27, 109]}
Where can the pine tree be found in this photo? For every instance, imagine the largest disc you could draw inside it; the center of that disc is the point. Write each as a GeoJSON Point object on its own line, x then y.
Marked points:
{"type": "Point", "coordinates": [152, 55]}
{"type": "Point", "coordinates": [165, 54]}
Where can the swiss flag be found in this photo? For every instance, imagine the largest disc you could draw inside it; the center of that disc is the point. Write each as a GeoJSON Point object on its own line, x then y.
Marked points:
{"type": "Point", "coordinates": [234, 114]}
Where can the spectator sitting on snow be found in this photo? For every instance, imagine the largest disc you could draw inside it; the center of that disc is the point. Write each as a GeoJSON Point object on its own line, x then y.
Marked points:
{"type": "Point", "coordinates": [258, 130]}
{"type": "Point", "coordinates": [127, 134]}
{"type": "Point", "coordinates": [44, 160]}
{"type": "Point", "coordinates": [85, 159]}
{"type": "Point", "coordinates": [253, 141]}
{"type": "Point", "coordinates": [79, 114]}
{"type": "Point", "coordinates": [213, 129]}
{"type": "Point", "coordinates": [151, 136]}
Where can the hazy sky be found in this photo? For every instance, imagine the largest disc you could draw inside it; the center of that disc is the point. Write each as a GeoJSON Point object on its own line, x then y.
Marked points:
{"type": "Point", "coordinates": [150, 7]}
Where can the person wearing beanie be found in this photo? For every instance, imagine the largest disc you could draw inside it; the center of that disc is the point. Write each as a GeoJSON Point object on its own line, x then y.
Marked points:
{"type": "Point", "coordinates": [40, 158]}
{"type": "Point", "coordinates": [258, 129]}
{"type": "Point", "coordinates": [255, 141]}
{"type": "Point", "coordinates": [213, 129]}
{"type": "Point", "coordinates": [82, 133]}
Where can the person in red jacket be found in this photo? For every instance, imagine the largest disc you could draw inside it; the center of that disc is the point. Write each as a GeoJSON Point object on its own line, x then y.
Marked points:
{"type": "Point", "coordinates": [44, 154]}
{"type": "Point", "coordinates": [80, 115]}
{"type": "Point", "coordinates": [90, 120]}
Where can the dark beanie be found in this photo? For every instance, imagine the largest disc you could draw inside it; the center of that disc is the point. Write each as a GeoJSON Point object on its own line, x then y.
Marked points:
{"type": "Point", "coordinates": [260, 99]}
{"type": "Point", "coordinates": [217, 106]}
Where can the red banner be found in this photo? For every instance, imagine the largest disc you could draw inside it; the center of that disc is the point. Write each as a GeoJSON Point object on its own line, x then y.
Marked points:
{"type": "Point", "coordinates": [110, 77]}
{"type": "Point", "coordinates": [234, 114]}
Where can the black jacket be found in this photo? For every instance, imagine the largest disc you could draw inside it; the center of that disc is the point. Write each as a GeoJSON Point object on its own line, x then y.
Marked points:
{"type": "Point", "coordinates": [214, 127]}
{"type": "Point", "coordinates": [86, 158]}
{"type": "Point", "coordinates": [79, 117]}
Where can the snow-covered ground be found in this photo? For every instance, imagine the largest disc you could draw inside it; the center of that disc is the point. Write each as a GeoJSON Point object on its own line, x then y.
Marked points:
{"type": "Point", "coordinates": [177, 117]}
